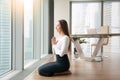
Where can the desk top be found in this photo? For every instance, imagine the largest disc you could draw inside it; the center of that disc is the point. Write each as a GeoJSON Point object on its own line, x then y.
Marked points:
{"type": "Point", "coordinates": [95, 35]}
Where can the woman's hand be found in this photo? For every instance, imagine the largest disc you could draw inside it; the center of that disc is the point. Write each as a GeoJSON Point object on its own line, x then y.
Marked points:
{"type": "Point", "coordinates": [53, 41]}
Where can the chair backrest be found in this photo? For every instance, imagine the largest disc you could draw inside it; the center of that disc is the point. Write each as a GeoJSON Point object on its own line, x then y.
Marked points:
{"type": "Point", "coordinates": [105, 30]}
{"type": "Point", "coordinates": [91, 31]}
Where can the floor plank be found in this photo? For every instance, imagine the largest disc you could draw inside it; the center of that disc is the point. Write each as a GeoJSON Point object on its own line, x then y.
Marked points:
{"type": "Point", "coordinates": [108, 69]}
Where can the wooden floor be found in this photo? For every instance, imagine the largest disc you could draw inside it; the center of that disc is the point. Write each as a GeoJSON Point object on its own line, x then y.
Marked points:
{"type": "Point", "coordinates": [109, 69]}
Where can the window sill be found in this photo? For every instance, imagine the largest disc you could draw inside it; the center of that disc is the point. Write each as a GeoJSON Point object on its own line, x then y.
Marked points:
{"type": "Point", "coordinates": [20, 75]}
{"type": "Point", "coordinates": [9, 75]}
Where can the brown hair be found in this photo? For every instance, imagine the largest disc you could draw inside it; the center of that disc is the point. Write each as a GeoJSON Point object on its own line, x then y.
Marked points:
{"type": "Point", "coordinates": [64, 27]}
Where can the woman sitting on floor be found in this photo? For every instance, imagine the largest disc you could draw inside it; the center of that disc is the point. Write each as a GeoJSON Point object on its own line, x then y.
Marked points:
{"type": "Point", "coordinates": [60, 48]}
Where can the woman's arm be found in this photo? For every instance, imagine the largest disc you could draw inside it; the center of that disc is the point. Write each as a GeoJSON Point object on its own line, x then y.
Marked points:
{"type": "Point", "coordinates": [53, 42]}
{"type": "Point", "coordinates": [64, 47]}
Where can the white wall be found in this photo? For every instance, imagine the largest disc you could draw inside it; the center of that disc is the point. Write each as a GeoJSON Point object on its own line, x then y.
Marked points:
{"type": "Point", "coordinates": [61, 11]}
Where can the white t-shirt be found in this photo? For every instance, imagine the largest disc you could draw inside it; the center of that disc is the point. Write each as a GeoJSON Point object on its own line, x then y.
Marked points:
{"type": "Point", "coordinates": [61, 47]}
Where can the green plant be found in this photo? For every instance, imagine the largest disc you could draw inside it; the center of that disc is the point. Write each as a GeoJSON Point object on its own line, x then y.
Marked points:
{"type": "Point", "coordinates": [80, 40]}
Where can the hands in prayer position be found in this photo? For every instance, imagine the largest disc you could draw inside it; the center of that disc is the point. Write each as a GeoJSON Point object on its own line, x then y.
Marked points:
{"type": "Point", "coordinates": [53, 40]}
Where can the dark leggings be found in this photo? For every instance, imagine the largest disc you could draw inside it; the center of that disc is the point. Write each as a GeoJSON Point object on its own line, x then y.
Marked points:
{"type": "Point", "coordinates": [60, 65]}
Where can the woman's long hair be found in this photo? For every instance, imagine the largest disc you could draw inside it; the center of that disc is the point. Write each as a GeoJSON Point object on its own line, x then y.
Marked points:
{"type": "Point", "coordinates": [64, 27]}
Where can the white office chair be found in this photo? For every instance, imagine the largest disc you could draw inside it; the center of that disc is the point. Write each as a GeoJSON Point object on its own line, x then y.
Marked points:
{"type": "Point", "coordinates": [103, 30]}
{"type": "Point", "coordinates": [92, 31]}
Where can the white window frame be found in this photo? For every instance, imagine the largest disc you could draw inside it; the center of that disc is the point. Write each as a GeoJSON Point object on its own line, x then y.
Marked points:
{"type": "Point", "coordinates": [40, 34]}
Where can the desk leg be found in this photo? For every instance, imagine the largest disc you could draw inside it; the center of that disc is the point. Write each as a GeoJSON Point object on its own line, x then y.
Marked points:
{"type": "Point", "coordinates": [97, 48]}
{"type": "Point", "coordinates": [78, 48]}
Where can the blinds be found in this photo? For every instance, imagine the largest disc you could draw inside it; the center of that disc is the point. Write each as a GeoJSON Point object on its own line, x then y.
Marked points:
{"type": "Point", "coordinates": [111, 17]}
{"type": "Point", "coordinates": [5, 36]}
{"type": "Point", "coordinates": [107, 13]}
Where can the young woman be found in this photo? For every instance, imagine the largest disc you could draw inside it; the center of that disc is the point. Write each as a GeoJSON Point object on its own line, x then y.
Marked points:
{"type": "Point", "coordinates": [60, 48]}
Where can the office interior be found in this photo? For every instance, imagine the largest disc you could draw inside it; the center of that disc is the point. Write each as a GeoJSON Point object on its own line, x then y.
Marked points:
{"type": "Point", "coordinates": [27, 26]}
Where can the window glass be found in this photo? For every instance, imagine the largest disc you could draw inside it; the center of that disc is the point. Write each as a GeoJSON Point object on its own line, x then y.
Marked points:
{"type": "Point", "coordinates": [112, 18]}
{"type": "Point", "coordinates": [28, 31]}
{"type": "Point", "coordinates": [85, 15]}
{"type": "Point", "coordinates": [5, 36]}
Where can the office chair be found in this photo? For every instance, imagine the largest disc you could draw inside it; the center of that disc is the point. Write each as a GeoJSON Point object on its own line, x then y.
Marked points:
{"type": "Point", "coordinates": [103, 30]}
{"type": "Point", "coordinates": [91, 31]}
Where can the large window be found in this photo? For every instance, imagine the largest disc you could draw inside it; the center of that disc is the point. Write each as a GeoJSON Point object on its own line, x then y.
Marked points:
{"type": "Point", "coordinates": [85, 15]}
{"type": "Point", "coordinates": [28, 31]}
{"type": "Point", "coordinates": [5, 36]}
{"type": "Point", "coordinates": [112, 18]}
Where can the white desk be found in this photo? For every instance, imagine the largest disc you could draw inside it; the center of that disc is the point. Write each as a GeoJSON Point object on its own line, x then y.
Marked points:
{"type": "Point", "coordinates": [99, 43]}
